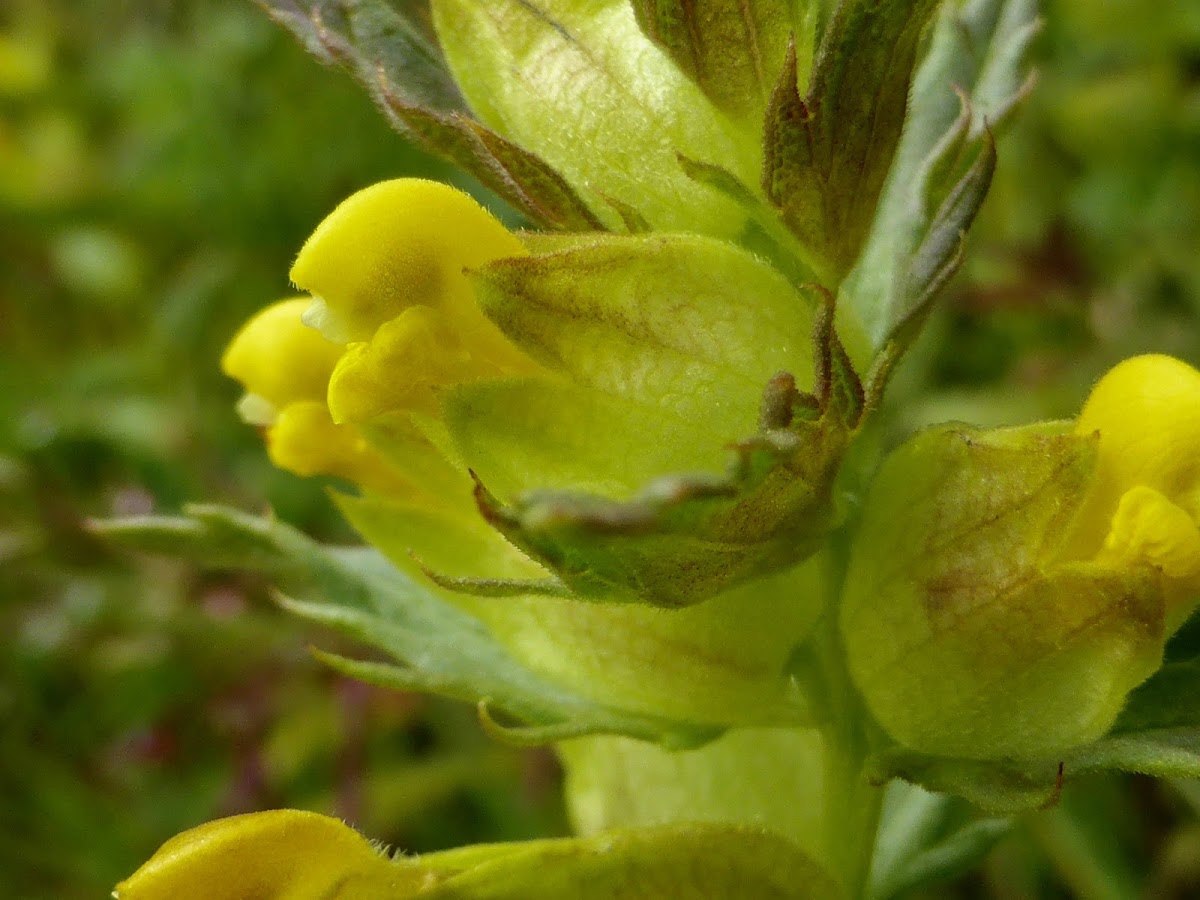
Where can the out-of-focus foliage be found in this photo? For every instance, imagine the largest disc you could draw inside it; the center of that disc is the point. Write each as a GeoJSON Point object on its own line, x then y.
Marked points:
{"type": "Point", "coordinates": [160, 164]}
{"type": "Point", "coordinates": [1087, 248]}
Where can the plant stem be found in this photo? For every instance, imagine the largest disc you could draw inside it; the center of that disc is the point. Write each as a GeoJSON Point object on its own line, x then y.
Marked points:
{"type": "Point", "coordinates": [852, 805]}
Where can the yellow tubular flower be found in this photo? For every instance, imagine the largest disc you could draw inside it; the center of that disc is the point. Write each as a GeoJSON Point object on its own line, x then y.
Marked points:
{"type": "Point", "coordinates": [284, 367]}
{"type": "Point", "coordinates": [387, 273]}
{"type": "Point", "coordinates": [286, 854]}
{"type": "Point", "coordinates": [1144, 505]}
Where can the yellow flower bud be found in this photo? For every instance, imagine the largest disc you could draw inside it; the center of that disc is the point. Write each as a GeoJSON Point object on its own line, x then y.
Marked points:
{"type": "Point", "coordinates": [286, 854]}
{"type": "Point", "coordinates": [387, 271]}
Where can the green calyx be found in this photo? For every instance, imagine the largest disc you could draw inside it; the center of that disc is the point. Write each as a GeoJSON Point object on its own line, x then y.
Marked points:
{"type": "Point", "coordinates": [684, 538]}
{"type": "Point", "coordinates": [731, 49]}
{"type": "Point", "coordinates": [967, 631]}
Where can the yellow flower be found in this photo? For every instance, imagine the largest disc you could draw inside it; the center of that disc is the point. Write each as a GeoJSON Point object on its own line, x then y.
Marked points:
{"type": "Point", "coordinates": [1143, 506]}
{"type": "Point", "coordinates": [284, 854]}
{"type": "Point", "coordinates": [386, 270]}
{"type": "Point", "coordinates": [284, 367]}
{"type": "Point", "coordinates": [392, 323]}
{"type": "Point", "coordinates": [1008, 588]}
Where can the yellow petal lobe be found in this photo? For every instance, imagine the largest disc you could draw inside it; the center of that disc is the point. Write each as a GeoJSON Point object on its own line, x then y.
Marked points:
{"type": "Point", "coordinates": [393, 245]}
{"type": "Point", "coordinates": [387, 270]}
{"type": "Point", "coordinates": [305, 441]}
{"type": "Point", "coordinates": [279, 359]}
{"type": "Point", "coordinates": [1147, 413]}
{"type": "Point", "coordinates": [283, 854]}
{"type": "Point", "coordinates": [1149, 527]}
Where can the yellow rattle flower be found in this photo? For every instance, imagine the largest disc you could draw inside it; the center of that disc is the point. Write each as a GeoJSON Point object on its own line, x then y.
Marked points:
{"type": "Point", "coordinates": [1040, 573]}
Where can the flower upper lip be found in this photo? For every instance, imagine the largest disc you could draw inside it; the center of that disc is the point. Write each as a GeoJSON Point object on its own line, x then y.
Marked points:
{"type": "Point", "coordinates": [387, 274]}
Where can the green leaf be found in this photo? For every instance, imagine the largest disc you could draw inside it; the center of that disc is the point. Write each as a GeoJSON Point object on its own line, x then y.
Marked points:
{"type": "Point", "coordinates": [525, 180]}
{"type": "Point", "coordinates": [971, 79]}
{"type": "Point", "coordinates": [681, 537]}
{"type": "Point", "coordinates": [938, 243]}
{"type": "Point", "coordinates": [827, 153]}
{"type": "Point", "coordinates": [765, 233]}
{"type": "Point", "coordinates": [678, 861]}
{"type": "Point", "coordinates": [374, 40]}
{"type": "Point", "coordinates": [1158, 734]}
{"type": "Point", "coordinates": [440, 649]}
{"type": "Point", "coordinates": [1166, 700]}
{"type": "Point", "coordinates": [999, 787]}
{"type": "Point", "coordinates": [730, 48]}
{"type": "Point", "coordinates": [581, 86]}
{"type": "Point", "coordinates": [1161, 752]}
{"type": "Point", "coordinates": [924, 838]}
{"type": "Point", "coordinates": [395, 56]}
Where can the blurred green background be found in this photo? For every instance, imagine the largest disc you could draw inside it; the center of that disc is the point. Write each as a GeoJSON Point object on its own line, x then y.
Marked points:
{"type": "Point", "coordinates": [161, 162]}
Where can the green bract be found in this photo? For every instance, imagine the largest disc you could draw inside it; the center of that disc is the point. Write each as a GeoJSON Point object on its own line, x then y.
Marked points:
{"type": "Point", "coordinates": [529, 69]}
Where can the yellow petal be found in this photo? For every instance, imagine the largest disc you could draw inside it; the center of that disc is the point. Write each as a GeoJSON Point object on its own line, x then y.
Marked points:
{"type": "Point", "coordinates": [305, 440]}
{"type": "Point", "coordinates": [1147, 413]}
{"type": "Point", "coordinates": [396, 369]}
{"type": "Point", "coordinates": [1150, 528]}
{"type": "Point", "coordinates": [393, 245]}
{"type": "Point", "coordinates": [409, 360]}
{"type": "Point", "coordinates": [284, 854]}
{"type": "Point", "coordinates": [280, 360]}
